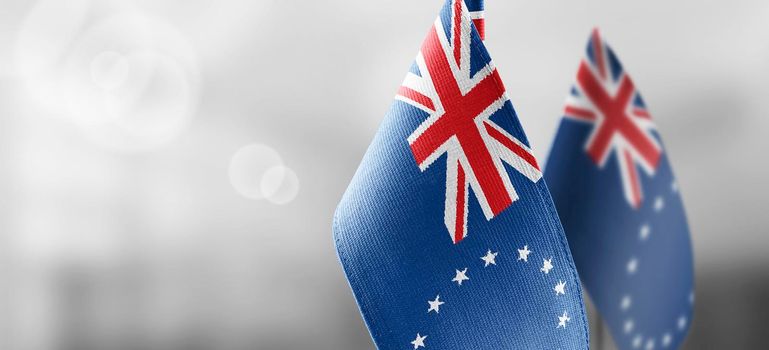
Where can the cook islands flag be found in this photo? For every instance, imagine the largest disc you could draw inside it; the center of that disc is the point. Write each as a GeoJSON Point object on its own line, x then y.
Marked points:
{"type": "Point", "coordinates": [621, 207]}
{"type": "Point", "coordinates": [447, 233]}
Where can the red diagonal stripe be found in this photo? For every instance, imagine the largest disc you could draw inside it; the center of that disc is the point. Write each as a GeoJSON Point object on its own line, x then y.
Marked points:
{"type": "Point", "coordinates": [635, 184]}
{"type": "Point", "coordinates": [639, 112]}
{"type": "Point", "coordinates": [459, 225]}
{"type": "Point", "coordinates": [458, 31]}
{"type": "Point", "coordinates": [480, 24]}
{"type": "Point", "coordinates": [579, 113]}
{"type": "Point", "coordinates": [509, 144]}
{"type": "Point", "coordinates": [417, 97]}
{"type": "Point", "coordinates": [598, 53]}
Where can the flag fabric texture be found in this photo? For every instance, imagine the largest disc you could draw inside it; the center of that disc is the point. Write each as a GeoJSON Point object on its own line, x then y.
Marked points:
{"type": "Point", "coordinates": [447, 233]}
{"type": "Point", "coordinates": [621, 208]}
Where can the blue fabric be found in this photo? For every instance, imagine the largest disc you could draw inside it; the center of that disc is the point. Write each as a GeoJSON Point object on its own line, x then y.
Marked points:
{"type": "Point", "coordinates": [475, 5]}
{"type": "Point", "coordinates": [636, 263]}
{"type": "Point", "coordinates": [396, 252]}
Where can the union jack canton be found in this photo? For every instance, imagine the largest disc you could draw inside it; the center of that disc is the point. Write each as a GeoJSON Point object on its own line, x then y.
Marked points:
{"type": "Point", "coordinates": [460, 99]}
{"type": "Point", "coordinates": [606, 98]}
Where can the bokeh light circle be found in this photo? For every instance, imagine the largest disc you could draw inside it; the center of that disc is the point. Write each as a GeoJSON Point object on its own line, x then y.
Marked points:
{"type": "Point", "coordinates": [280, 185]}
{"type": "Point", "coordinates": [128, 80]}
{"type": "Point", "coordinates": [248, 167]}
{"type": "Point", "coordinates": [150, 108]}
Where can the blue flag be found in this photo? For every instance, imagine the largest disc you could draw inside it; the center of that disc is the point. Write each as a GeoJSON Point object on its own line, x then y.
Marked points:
{"type": "Point", "coordinates": [621, 207]}
{"type": "Point", "coordinates": [447, 233]}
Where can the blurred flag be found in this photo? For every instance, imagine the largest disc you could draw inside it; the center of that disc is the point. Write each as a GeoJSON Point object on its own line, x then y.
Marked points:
{"type": "Point", "coordinates": [620, 206]}
{"type": "Point", "coordinates": [447, 234]}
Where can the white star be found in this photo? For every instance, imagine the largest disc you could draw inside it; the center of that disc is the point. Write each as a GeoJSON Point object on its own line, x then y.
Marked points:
{"type": "Point", "coordinates": [629, 325]}
{"type": "Point", "coordinates": [547, 265]}
{"type": "Point", "coordinates": [691, 297]}
{"type": "Point", "coordinates": [682, 323]}
{"type": "Point", "coordinates": [562, 320]}
{"type": "Point", "coordinates": [560, 288]}
{"type": "Point", "coordinates": [435, 305]}
{"type": "Point", "coordinates": [667, 339]}
{"type": "Point", "coordinates": [632, 266]}
{"type": "Point", "coordinates": [674, 186]}
{"type": "Point", "coordinates": [625, 303]}
{"type": "Point", "coordinates": [637, 341]}
{"type": "Point", "coordinates": [523, 254]}
{"type": "Point", "coordinates": [419, 341]}
{"type": "Point", "coordinates": [659, 204]}
{"type": "Point", "coordinates": [644, 233]}
{"type": "Point", "coordinates": [650, 344]}
{"type": "Point", "coordinates": [489, 258]}
{"type": "Point", "coordinates": [461, 277]}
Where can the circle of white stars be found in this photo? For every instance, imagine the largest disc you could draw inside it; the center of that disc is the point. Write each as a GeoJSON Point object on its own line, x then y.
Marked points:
{"type": "Point", "coordinates": [490, 259]}
{"type": "Point", "coordinates": [637, 340]}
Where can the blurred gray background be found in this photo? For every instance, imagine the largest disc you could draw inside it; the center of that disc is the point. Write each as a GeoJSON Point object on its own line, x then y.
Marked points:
{"type": "Point", "coordinates": [170, 168]}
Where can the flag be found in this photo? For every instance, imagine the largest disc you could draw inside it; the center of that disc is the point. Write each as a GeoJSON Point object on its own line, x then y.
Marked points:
{"type": "Point", "coordinates": [447, 233]}
{"type": "Point", "coordinates": [621, 207]}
